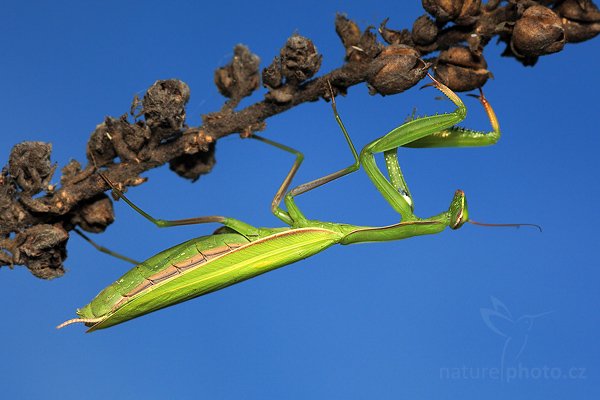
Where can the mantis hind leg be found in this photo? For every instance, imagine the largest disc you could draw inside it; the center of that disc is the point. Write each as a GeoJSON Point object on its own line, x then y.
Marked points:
{"type": "Point", "coordinates": [293, 213]}
{"type": "Point", "coordinates": [105, 250]}
{"type": "Point", "coordinates": [238, 226]}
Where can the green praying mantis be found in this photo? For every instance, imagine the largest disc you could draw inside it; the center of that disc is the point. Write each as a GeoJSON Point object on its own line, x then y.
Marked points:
{"type": "Point", "coordinates": [238, 251]}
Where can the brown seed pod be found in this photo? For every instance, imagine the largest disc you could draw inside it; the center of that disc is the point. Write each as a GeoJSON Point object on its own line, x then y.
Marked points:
{"type": "Point", "coordinates": [580, 18]}
{"type": "Point", "coordinates": [240, 77]}
{"type": "Point", "coordinates": [100, 148]}
{"type": "Point", "coordinates": [347, 30]}
{"type": "Point", "coordinates": [42, 248]}
{"type": "Point", "coordinates": [461, 70]}
{"type": "Point", "coordinates": [95, 214]}
{"type": "Point", "coordinates": [539, 31]}
{"type": "Point", "coordinates": [29, 165]}
{"type": "Point", "coordinates": [128, 139]}
{"type": "Point", "coordinates": [118, 137]}
{"type": "Point", "coordinates": [392, 36]}
{"type": "Point", "coordinates": [300, 59]}
{"type": "Point", "coordinates": [461, 12]}
{"type": "Point", "coordinates": [361, 46]}
{"type": "Point", "coordinates": [271, 76]}
{"type": "Point", "coordinates": [396, 69]}
{"type": "Point", "coordinates": [424, 31]}
{"type": "Point", "coordinates": [367, 49]}
{"type": "Point", "coordinates": [164, 104]}
{"type": "Point", "coordinates": [12, 213]}
{"type": "Point", "coordinates": [192, 166]}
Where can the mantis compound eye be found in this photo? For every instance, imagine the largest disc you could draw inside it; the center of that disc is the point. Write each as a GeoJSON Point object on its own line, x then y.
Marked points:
{"type": "Point", "coordinates": [459, 214]}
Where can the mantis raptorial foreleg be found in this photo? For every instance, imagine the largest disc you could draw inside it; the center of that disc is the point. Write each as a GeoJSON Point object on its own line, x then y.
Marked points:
{"type": "Point", "coordinates": [461, 137]}
{"type": "Point", "coordinates": [434, 131]}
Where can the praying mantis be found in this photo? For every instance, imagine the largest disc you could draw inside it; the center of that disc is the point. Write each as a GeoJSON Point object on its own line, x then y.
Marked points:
{"type": "Point", "coordinates": [238, 251]}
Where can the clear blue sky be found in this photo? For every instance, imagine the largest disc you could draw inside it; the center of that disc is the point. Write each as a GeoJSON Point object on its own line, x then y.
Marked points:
{"type": "Point", "coordinates": [383, 321]}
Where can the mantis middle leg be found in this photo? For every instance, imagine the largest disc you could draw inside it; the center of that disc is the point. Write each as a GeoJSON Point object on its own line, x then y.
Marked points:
{"type": "Point", "coordinates": [293, 215]}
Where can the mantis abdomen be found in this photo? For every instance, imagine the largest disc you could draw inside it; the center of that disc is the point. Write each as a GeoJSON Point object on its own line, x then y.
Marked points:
{"type": "Point", "coordinates": [197, 267]}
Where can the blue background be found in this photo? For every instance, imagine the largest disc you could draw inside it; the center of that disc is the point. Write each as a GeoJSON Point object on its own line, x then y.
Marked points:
{"type": "Point", "coordinates": [390, 321]}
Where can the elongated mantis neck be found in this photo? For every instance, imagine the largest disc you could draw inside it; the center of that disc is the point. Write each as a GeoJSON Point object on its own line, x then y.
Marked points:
{"type": "Point", "coordinates": [399, 231]}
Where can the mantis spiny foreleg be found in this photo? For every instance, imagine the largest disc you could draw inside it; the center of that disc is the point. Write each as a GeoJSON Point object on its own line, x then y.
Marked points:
{"type": "Point", "coordinates": [433, 131]}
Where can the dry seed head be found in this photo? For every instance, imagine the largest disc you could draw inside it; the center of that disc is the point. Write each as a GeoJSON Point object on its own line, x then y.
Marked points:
{"type": "Point", "coordinates": [539, 31]}
{"type": "Point", "coordinates": [424, 31]}
{"type": "Point", "coordinates": [164, 104]}
{"type": "Point", "coordinates": [580, 19]}
{"type": "Point", "coordinates": [461, 12]}
{"type": "Point", "coordinates": [396, 69]}
{"type": "Point", "coordinates": [461, 70]}
{"type": "Point", "coordinates": [241, 76]}
{"type": "Point", "coordinates": [300, 59]}
{"type": "Point", "coordinates": [30, 167]}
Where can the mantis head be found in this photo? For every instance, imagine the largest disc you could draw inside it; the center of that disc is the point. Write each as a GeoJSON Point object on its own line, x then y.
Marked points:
{"type": "Point", "coordinates": [459, 213]}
